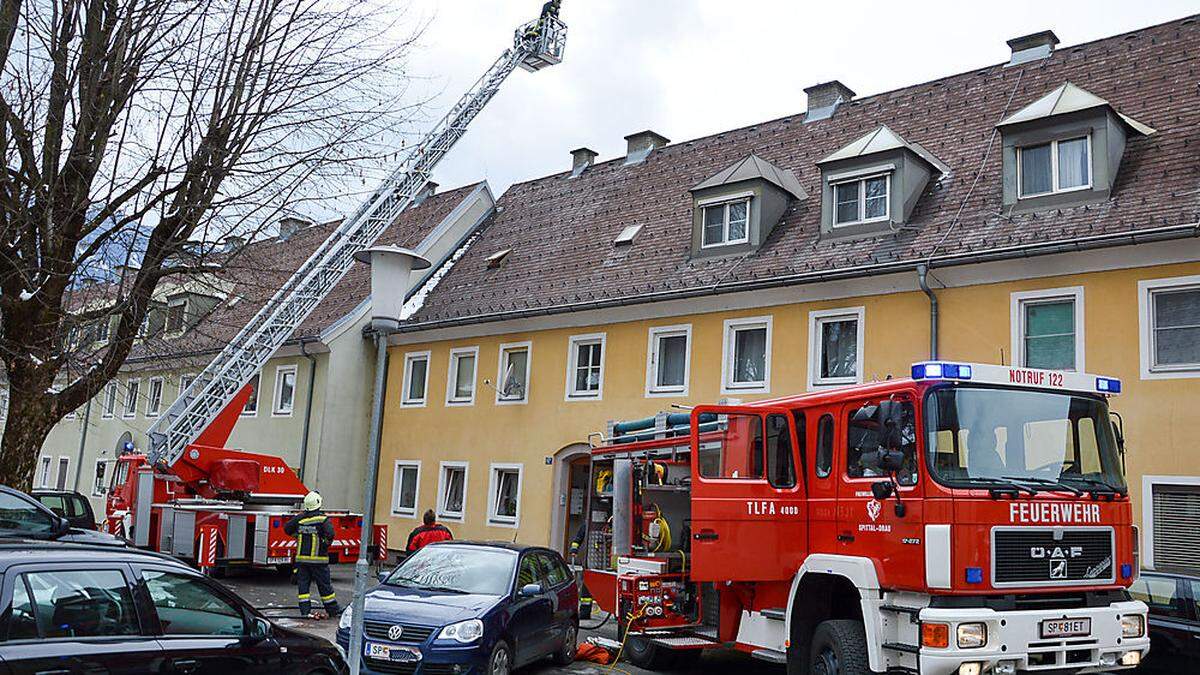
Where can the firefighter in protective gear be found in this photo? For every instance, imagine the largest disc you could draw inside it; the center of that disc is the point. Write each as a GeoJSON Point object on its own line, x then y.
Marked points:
{"type": "Point", "coordinates": [313, 533]}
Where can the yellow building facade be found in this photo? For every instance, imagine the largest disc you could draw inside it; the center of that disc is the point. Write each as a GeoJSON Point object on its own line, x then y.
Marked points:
{"type": "Point", "coordinates": [978, 305]}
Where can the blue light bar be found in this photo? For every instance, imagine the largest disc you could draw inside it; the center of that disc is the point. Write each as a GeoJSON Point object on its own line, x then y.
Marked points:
{"type": "Point", "coordinates": [938, 370]}
{"type": "Point", "coordinates": [1108, 385]}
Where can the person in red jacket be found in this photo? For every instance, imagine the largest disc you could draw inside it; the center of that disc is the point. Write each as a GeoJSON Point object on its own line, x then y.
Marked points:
{"type": "Point", "coordinates": [427, 533]}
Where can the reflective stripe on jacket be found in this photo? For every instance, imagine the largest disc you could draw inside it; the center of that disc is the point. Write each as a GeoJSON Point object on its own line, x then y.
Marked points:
{"type": "Point", "coordinates": [313, 533]}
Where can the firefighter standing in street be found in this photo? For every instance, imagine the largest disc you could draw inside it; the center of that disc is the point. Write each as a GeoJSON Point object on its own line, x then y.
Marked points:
{"type": "Point", "coordinates": [313, 533]}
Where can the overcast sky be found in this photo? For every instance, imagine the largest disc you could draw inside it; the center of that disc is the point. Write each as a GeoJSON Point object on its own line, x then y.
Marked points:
{"type": "Point", "coordinates": [691, 68]}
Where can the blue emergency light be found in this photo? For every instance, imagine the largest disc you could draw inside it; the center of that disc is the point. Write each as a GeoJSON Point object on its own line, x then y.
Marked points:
{"type": "Point", "coordinates": [938, 370]}
{"type": "Point", "coordinates": [974, 575]}
{"type": "Point", "coordinates": [1108, 385]}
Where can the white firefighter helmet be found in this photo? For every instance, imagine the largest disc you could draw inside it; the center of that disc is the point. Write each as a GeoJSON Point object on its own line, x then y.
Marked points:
{"type": "Point", "coordinates": [312, 501]}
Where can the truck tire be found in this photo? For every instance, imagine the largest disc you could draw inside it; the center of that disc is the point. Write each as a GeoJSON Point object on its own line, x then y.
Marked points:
{"type": "Point", "coordinates": [839, 647]}
{"type": "Point", "coordinates": [644, 653]}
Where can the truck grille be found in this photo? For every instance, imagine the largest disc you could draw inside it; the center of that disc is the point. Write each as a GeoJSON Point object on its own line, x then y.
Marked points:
{"type": "Point", "coordinates": [378, 630]}
{"type": "Point", "coordinates": [1033, 556]}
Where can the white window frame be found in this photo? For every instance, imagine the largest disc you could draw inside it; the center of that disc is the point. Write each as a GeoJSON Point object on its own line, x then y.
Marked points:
{"type": "Point", "coordinates": [1021, 299]}
{"type": "Point", "coordinates": [494, 470]}
{"type": "Point", "coordinates": [398, 512]}
{"type": "Point", "coordinates": [277, 409]}
{"type": "Point", "coordinates": [45, 463]}
{"type": "Point", "coordinates": [452, 375]}
{"type": "Point", "coordinates": [724, 203]}
{"type": "Point", "coordinates": [409, 359]}
{"type": "Point", "coordinates": [185, 380]}
{"type": "Point", "coordinates": [256, 397]}
{"type": "Point", "coordinates": [655, 334]}
{"type": "Point", "coordinates": [1054, 189]}
{"type": "Point", "coordinates": [132, 393]}
{"type": "Point", "coordinates": [527, 345]}
{"type": "Point", "coordinates": [729, 346]}
{"type": "Point", "coordinates": [573, 344]}
{"type": "Point", "coordinates": [818, 318]}
{"type": "Point", "coordinates": [110, 396]}
{"type": "Point", "coordinates": [157, 407]}
{"type": "Point", "coordinates": [107, 476]}
{"type": "Point", "coordinates": [1146, 290]}
{"type": "Point", "coordinates": [62, 468]}
{"type": "Point", "coordinates": [862, 199]}
{"type": "Point", "coordinates": [443, 471]}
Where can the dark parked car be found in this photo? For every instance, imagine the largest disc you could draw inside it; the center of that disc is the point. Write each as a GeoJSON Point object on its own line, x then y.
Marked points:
{"type": "Point", "coordinates": [73, 506]}
{"type": "Point", "coordinates": [24, 517]}
{"type": "Point", "coordinates": [1174, 620]}
{"type": "Point", "coordinates": [73, 608]}
{"type": "Point", "coordinates": [452, 606]}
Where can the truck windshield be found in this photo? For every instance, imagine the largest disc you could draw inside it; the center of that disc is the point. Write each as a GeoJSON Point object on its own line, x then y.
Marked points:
{"type": "Point", "coordinates": [983, 437]}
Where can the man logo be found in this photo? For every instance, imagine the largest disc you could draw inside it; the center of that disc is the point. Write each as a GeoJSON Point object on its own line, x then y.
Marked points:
{"type": "Point", "coordinates": [1058, 569]}
{"type": "Point", "coordinates": [395, 632]}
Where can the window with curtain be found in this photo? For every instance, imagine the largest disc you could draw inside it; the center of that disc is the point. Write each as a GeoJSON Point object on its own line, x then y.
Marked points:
{"type": "Point", "coordinates": [746, 356]}
{"type": "Point", "coordinates": [454, 479]}
{"type": "Point", "coordinates": [585, 367]}
{"type": "Point", "coordinates": [131, 397]}
{"type": "Point", "coordinates": [1057, 166]}
{"type": "Point", "coordinates": [406, 477]}
{"type": "Point", "coordinates": [1049, 334]}
{"type": "Point", "coordinates": [416, 375]}
{"type": "Point", "coordinates": [861, 200]}
{"type": "Point", "coordinates": [1175, 317]}
{"type": "Point", "coordinates": [506, 499]}
{"type": "Point", "coordinates": [514, 373]}
{"type": "Point", "coordinates": [726, 223]}
{"type": "Point", "coordinates": [462, 373]}
{"type": "Point", "coordinates": [670, 356]}
{"type": "Point", "coordinates": [251, 407]}
{"type": "Point", "coordinates": [838, 349]}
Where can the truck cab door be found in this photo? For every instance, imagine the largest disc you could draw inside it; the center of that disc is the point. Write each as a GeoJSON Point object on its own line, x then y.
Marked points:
{"type": "Point", "coordinates": [748, 512]}
{"type": "Point", "coordinates": [871, 527]}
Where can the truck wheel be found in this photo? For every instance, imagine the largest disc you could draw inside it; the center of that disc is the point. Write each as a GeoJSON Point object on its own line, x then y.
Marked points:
{"type": "Point", "coordinates": [839, 647]}
{"type": "Point", "coordinates": [644, 653]}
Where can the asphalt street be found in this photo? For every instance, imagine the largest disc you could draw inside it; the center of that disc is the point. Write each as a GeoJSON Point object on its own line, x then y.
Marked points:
{"type": "Point", "coordinates": [275, 596]}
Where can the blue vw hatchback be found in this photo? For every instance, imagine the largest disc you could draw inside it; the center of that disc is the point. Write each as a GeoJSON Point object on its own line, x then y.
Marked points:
{"type": "Point", "coordinates": [466, 607]}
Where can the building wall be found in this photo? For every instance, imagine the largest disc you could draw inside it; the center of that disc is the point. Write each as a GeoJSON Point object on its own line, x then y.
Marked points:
{"type": "Point", "coordinates": [975, 326]}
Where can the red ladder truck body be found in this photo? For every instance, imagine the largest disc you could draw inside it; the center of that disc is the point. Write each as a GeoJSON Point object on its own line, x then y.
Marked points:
{"type": "Point", "coordinates": [969, 519]}
{"type": "Point", "coordinates": [219, 507]}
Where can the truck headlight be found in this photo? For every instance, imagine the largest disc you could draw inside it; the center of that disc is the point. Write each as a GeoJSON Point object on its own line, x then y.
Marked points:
{"type": "Point", "coordinates": [463, 631]}
{"type": "Point", "coordinates": [972, 635]}
{"type": "Point", "coordinates": [1133, 625]}
{"type": "Point", "coordinates": [346, 618]}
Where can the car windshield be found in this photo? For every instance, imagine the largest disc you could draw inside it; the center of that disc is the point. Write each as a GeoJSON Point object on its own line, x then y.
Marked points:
{"type": "Point", "coordinates": [18, 516]}
{"type": "Point", "coordinates": [986, 437]}
{"type": "Point", "coordinates": [458, 569]}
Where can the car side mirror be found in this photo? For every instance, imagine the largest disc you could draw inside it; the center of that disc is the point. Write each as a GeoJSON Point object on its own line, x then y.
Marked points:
{"type": "Point", "coordinates": [383, 575]}
{"type": "Point", "coordinates": [259, 629]}
{"type": "Point", "coordinates": [529, 590]}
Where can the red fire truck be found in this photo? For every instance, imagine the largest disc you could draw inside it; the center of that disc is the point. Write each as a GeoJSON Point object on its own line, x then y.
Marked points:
{"type": "Point", "coordinates": [218, 507]}
{"type": "Point", "coordinates": [968, 519]}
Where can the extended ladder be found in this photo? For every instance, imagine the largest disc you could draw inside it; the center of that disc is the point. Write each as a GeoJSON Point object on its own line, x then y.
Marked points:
{"type": "Point", "coordinates": [536, 45]}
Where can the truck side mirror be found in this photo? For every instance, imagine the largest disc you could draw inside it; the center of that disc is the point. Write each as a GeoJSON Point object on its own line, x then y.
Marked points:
{"type": "Point", "coordinates": [882, 490]}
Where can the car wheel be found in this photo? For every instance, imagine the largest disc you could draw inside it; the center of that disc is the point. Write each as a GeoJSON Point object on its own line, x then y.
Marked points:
{"type": "Point", "coordinates": [500, 663]}
{"type": "Point", "coordinates": [839, 648]}
{"type": "Point", "coordinates": [566, 653]}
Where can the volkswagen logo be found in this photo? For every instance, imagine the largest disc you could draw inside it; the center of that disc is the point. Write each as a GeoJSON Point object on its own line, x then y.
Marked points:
{"type": "Point", "coordinates": [395, 632]}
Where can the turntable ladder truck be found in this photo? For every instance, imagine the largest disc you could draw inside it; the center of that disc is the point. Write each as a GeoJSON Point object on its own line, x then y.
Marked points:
{"type": "Point", "coordinates": [191, 496]}
{"type": "Point", "coordinates": [970, 519]}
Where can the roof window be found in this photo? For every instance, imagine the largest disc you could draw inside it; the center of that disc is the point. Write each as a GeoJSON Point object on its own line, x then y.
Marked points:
{"type": "Point", "coordinates": [626, 236]}
{"type": "Point", "coordinates": [494, 260]}
{"type": "Point", "coordinates": [736, 208]}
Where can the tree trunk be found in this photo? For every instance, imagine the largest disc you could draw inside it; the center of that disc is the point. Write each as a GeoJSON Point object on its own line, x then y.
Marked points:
{"type": "Point", "coordinates": [30, 419]}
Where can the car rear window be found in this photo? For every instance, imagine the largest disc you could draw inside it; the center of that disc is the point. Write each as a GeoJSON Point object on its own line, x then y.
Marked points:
{"type": "Point", "coordinates": [72, 604]}
{"type": "Point", "coordinates": [18, 515]}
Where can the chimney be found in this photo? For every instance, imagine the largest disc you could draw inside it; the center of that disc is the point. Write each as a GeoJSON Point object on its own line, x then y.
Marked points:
{"type": "Point", "coordinates": [641, 144]}
{"type": "Point", "coordinates": [232, 243]}
{"type": "Point", "coordinates": [581, 159]}
{"type": "Point", "coordinates": [1032, 47]}
{"type": "Point", "coordinates": [824, 98]}
{"type": "Point", "coordinates": [290, 225]}
{"type": "Point", "coordinates": [425, 193]}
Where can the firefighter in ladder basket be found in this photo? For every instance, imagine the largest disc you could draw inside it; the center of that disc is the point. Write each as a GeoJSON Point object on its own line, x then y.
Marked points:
{"type": "Point", "coordinates": [313, 533]}
{"type": "Point", "coordinates": [549, 10]}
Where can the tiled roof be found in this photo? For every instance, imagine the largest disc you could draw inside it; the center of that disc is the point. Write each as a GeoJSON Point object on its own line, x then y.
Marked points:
{"type": "Point", "coordinates": [561, 230]}
{"type": "Point", "coordinates": [261, 267]}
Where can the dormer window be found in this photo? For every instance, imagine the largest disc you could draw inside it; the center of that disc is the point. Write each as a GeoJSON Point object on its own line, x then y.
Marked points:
{"type": "Point", "coordinates": [726, 222]}
{"type": "Point", "coordinates": [862, 200]}
{"type": "Point", "coordinates": [1057, 166]}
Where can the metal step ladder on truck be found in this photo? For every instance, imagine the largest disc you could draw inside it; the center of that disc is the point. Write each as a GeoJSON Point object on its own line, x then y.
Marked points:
{"type": "Point", "coordinates": [968, 519]}
{"type": "Point", "coordinates": [218, 507]}
{"type": "Point", "coordinates": [191, 496]}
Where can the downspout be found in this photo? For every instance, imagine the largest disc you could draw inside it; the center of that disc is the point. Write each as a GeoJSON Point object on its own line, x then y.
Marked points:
{"type": "Point", "coordinates": [923, 280]}
{"type": "Point", "coordinates": [87, 412]}
{"type": "Point", "coordinates": [312, 381]}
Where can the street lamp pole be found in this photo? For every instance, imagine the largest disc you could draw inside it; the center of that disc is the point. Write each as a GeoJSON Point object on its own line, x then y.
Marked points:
{"type": "Point", "coordinates": [391, 271]}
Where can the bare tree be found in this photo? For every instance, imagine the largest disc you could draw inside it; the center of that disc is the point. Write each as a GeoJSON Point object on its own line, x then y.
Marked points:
{"type": "Point", "coordinates": [138, 133]}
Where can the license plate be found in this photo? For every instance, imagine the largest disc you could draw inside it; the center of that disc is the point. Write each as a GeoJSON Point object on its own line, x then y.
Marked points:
{"type": "Point", "coordinates": [1052, 628]}
{"type": "Point", "coordinates": [279, 560]}
{"type": "Point", "coordinates": [376, 650]}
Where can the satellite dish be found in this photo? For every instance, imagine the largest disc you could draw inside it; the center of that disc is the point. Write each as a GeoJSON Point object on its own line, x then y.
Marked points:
{"type": "Point", "coordinates": [124, 444]}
